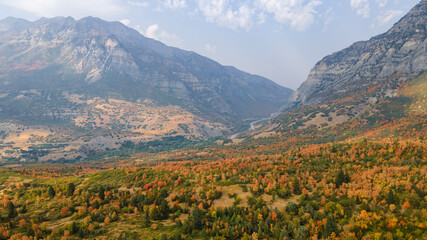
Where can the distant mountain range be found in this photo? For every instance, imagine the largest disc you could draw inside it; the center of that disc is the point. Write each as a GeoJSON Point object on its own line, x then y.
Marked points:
{"type": "Point", "coordinates": [75, 87]}
{"type": "Point", "coordinates": [99, 58]}
{"type": "Point", "coordinates": [96, 83]}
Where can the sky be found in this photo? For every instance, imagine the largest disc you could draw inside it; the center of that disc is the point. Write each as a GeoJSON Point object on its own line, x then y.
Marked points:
{"type": "Point", "coordinates": [277, 39]}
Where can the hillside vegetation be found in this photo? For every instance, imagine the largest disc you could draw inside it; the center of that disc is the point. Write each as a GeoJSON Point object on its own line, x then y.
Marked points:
{"type": "Point", "coordinates": [360, 179]}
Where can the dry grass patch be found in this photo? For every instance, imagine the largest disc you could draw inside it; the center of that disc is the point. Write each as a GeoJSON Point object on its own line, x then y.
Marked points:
{"type": "Point", "coordinates": [226, 201]}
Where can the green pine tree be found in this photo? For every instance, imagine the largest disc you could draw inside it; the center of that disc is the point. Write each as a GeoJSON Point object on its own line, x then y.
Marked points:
{"type": "Point", "coordinates": [358, 199]}
{"type": "Point", "coordinates": [176, 236]}
{"type": "Point", "coordinates": [284, 234]}
{"type": "Point", "coordinates": [302, 233]}
{"type": "Point", "coordinates": [11, 210]}
{"type": "Point", "coordinates": [155, 213]}
{"type": "Point", "coordinates": [347, 178]}
{"type": "Point", "coordinates": [197, 218]}
{"type": "Point", "coordinates": [70, 189]}
{"type": "Point", "coordinates": [164, 209]}
{"type": "Point", "coordinates": [163, 237]}
{"type": "Point", "coordinates": [276, 231]}
{"type": "Point", "coordinates": [340, 178]}
{"type": "Point", "coordinates": [390, 197]}
{"type": "Point", "coordinates": [51, 192]}
{"type": "Point", "coordinates": [101, 193]}
{"type": "Point", "coordinates": [74, 228]}
{"type": "Point", "coordinates": [23, 209]}
{"type": "Point", "coordinates": [146, 222]}
{"type": "Point", "coordinates": [331, 226]}
{"type": "Point", "coordinates": [296, 186]}
{"type": "Point", "coordinates": [81, 233]}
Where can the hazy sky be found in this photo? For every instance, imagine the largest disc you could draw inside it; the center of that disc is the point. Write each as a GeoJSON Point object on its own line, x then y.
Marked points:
{"type": "Point", "coordinates": [277, 39]}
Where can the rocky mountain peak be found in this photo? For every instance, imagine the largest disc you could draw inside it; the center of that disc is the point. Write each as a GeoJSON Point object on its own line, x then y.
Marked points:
{"type": "Point", "coordinates": [414, 21]}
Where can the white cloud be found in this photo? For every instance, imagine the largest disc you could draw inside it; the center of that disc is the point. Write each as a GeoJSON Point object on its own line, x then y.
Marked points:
{"type": "Point", "coordinates": [388, 16]}
{"type": "Point", "coordinates": [154, 32]}
{"type": "Point", "coordinates": [222, 13]}
{"type": "Point", "coordinates": [362, 7]}
{"type": "Point", "coordinates": [261, 18]}
{"type": "Point", "coordinates": [210, 48]}
{"type": "Point", "coordinates": [151, 31]}
{"type": "Point", "coordinates": [174, 4]}
{"type": "Point", "coordinates": [138, 4]}
{"type": "Point", "coordinates": [328, 17]}
{"type": "Point", "coordinates": [381, 3]}
{"type": "Point", "coordinates": [75, 8]}
{"type": "Point", "coordinates": [298, 13]}
{"type": "Point", "coordinates": [234, 14]}
{"type": "Point", "coordinates": [125, 21]}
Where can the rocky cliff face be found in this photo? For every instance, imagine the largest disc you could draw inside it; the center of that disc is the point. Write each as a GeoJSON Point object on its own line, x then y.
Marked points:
{"type": "Point", "coordinates": [103, 59]}
{"type": "Point", "coordinates": [396, 55]}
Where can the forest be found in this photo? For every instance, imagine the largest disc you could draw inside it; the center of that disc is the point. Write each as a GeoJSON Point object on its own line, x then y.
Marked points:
{"type": "Point", "coordinates": [350, 190]}
{"type": "Point", "coordinates": [361, 179]}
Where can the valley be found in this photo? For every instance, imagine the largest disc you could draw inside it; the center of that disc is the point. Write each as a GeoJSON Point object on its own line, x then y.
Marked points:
{"type": "Point", "coordinates": [107, 134]}
{"type": "Point", "coordinates": [88, 85]}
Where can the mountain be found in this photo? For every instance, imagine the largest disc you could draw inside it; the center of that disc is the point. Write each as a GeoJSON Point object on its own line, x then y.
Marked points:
{"type": "Point", "coordinates": [396, 55]}
{"type": "Point", "coordinates": [351, 165]}
{"type": "Point", "coordinates": [96, 83]}
{"type": "Point", "coordinates": [98, 57]}
{"type": "Point", "coordinates": [367, 85]}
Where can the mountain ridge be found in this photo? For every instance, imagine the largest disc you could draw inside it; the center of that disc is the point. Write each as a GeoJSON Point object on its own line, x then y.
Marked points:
{"type": "Point", "coordinates": [362, 84]}
{"type": "Point", "coordinates": [149, 62]}
{"type": "Point", "coordinates": [96, 85]}
{"type": "Point", "coordinates": [367, 62]}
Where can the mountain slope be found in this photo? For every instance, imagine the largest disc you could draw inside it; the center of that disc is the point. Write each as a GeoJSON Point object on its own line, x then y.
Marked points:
{"type": "Point", "coordinates": [107, 57]}
{"type": "Point", "coordinates": [369, 85]}
{"type": "Point", "coordinates": [401, 53]}
{"type": "Point", "coordinates": [92, 84]}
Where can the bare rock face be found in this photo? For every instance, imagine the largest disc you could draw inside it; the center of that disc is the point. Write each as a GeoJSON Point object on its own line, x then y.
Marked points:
{"type": "Point", "coordinates": [107, 59]}
{"type": "Point", "coordinates": [398, 54]}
